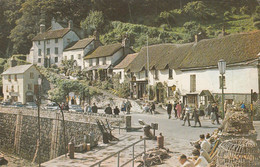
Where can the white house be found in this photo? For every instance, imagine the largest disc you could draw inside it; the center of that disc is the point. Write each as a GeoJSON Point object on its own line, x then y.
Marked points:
{"type": "Point", "coordinates": [189, 71]}
{"type": "Point", "coordinates": [100, 63]}
{"type": "Point", "coordinates": [20, 83]}
{"type": "Point", "coordinates": [77, 50]}
{"type": "Point", "coordinates": [122, 66]}
{"type": "Point", "coordinates": [47, 46]}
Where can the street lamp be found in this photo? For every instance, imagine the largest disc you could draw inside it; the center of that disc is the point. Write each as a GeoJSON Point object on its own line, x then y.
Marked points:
{"type": "Point", "coordinates": [222, 70]}
{"type": "Point", "coordinates": [39, 124]}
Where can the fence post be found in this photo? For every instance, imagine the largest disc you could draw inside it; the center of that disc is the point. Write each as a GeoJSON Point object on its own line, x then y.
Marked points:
{"type": "Point", "coordinates": [133, 162]}
{"type": "Point", "coordinates": [118, 159]}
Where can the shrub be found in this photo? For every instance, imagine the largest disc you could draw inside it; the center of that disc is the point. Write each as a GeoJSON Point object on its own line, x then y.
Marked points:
{"type": "Point", "coordinates": [244, 10]}
{"type": "Point", "coordinates": [233, 10]}
{"type": "Point", "coordinates": [227, 15]}
{"type": "Point", "coordinates": [257, 25]}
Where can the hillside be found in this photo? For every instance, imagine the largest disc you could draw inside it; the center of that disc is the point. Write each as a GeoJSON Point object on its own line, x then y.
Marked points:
{"type": "Point", "coordinates": [168, 21]}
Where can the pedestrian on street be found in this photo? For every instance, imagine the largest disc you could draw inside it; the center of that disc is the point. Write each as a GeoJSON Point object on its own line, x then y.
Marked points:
{"type": "Point", "coordinates": [128, 106]}
{"type": "Point", "coordinates": [209, 108]}
{"type": "Point", "coordinates": [187, 115]}
{"type": "Point", "coordinates": [108, 109]}
{"type": "Point", "coordinates": [94, 108]}
{"type": "Point", "coordinates": [201, 110]}
{"type": "Point", "coordinates": [175, 110]}
{"type": "Point", "coordinates": [123, 107]}
{"type": "Point", "coordinates": [116, 111]}
{"type": "Point", "coordinates": [216, 111]}
{"type": "Point", "coordinates": [146, 107]}
{"type": "Point", "coordinates": [152, 108]}
{"type": "Point", "coordinates": [169, 109]}
{"type": "Point", "coordinates": [178, 108]}
{"type": "Point", "coordinates": [196, 117]}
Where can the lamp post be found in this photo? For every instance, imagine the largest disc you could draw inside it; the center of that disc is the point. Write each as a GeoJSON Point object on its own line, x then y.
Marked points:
{"type": "Point", "coordinates": [222, 70]}
{"type": "Point", "coordinates": [39, 124]}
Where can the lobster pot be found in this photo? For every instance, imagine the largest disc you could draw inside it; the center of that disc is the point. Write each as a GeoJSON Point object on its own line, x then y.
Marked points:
{"type": "Point", "coordinates": [238, 153]}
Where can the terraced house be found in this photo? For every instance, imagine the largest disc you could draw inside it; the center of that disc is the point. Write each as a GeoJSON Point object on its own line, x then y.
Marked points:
{"type": "Point", "coordinates": [47, 46]}
{"type": "Point", "coordinates": [99, 64]}
{"type": "Point", "coordinates": [189, 72]}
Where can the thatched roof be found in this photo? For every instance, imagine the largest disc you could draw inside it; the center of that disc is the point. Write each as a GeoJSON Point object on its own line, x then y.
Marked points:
{"type": "Point", "coordinates": [236, 48]}
{"type": "Point", "coordinates": [80, 44]}
{"type": "Point", "coordinates": [233, 49]}
{"type": "Point", "coordinates": [51, 34]}
{"type": "Point", "coordinates": [126, 61]}
{"type": "Point", "coordinates": [104, 51]}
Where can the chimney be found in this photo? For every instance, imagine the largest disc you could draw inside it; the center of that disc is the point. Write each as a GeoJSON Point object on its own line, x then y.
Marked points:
{"type": "Point", "coordinates": [13, 62]}
{"type": "Point", "coordinates": [53, 21]}
{"type": "Point", "coordinates": [126, 41]}
{"type": "Point", "coordinates": [96, 39]}
{"type": "Point", "coordinates": [196, 38]}
{"type": "Point", "coordinates": [42, 28]}
{"type": "Point", "coordinates": [96, 35]}
{"type": "Point", "coordinates": [70, 25]}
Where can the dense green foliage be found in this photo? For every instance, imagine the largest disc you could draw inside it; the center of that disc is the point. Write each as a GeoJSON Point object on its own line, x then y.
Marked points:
{"type": "Point", "coordinates": [162, 20]}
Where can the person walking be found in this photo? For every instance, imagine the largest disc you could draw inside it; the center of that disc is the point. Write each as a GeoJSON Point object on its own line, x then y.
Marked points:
{"type": "Point", "coordinates": [187, 115]}
{"type": "Point", "coordinates": [152, 108]}
{"type": "Point", "coordinates": [209, 107]}
{"type": "Point", "coordinates": [201, 110]}
{"type": "Point", "coordinates": [216, 111]}
{"type": "Point", "coordinates": [196, 117]}
{"type": "Point", "coordinates": [108, 109]}
{"type": "Point", "coordinates": [116, 111]}
{"type": "Point", "coordinates": [178, 108]}
{"type": "Point", "coordinates": [123, 107]}
{"type": "Point", "coordinates": [213, 116]}
{"type": "Point", "coordinates": [94, 108]}
{"type": "Point", "coordinates": [175, 110]}
{"type": "Point", "coordinates": [169, 109]}
{"type": "Point", "coordinates": [128, 106]}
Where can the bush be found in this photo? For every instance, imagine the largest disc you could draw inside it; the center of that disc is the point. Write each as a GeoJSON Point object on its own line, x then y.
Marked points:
{"type": "Point", "coordinates": [233, 10]}
{"type": "Point", "coordinates": [227, 15]}
{"type": "Point", "coordinates": [257, 25]}
{"type": "Point", "coordinates": [244, 10]}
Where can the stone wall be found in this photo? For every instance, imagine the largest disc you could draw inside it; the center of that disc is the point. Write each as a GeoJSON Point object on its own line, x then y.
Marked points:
{"type": "Point", "coordinates": [19, 131]}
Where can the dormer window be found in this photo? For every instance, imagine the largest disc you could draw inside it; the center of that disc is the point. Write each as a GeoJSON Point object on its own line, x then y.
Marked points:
{"type": "Point", "coordinates": [56, 40]}
{"type": "Point", "coordinates": [9, 78]}
{"type": "Point", "coordinates": [90, 62]}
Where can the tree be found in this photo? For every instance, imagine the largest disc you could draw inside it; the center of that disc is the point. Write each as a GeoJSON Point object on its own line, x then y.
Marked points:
{"type": "Point", "coordinates": [192, 28]}
{"type": "Point", "coordinates": [256, 17]}
{"type": "Point", "coordinates": [94, 21]}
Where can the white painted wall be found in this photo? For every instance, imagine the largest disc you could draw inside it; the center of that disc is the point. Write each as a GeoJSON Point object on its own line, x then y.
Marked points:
{"type": "Point", "coordinates": [77, 55]}
{"type": "Point", "coordinates": [117, 71]}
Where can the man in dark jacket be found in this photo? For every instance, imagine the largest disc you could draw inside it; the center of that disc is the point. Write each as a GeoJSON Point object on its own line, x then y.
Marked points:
{"type": "Point", "coordinates": [175, 110]}
{"type": "Point", "coordinates": [116, 111]}
{"type": "Point", "coordinates": [169, 109]}
{"type": "Point", "coordinates": [94, 108]}
{"type": "Point", "coordinates": [108, 110]}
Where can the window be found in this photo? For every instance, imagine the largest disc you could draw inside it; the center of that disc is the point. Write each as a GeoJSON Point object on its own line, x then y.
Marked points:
{"type": "Point", "coordinates": [146, 73]}
{"type": "Point", "coordinates": [39, 52]}
{"type": "Point", "coordinates": [48, 41]}
{"type": "Point", "coordinates": [72, 57]}
{"type": "Point", "coordinates": [155, 74]}
{"type": "Point", "coordinates": [39, 60]}
{"type": "Point", "coordinates": [65, 57]}
{"type": "Point", "coordinates": [79, 56]}
{"type": "Point", "coordinates": [6, 88]}
{"type": "Point", "coordinates": [120, 75]}
{"type": "Point", "coordinates": [56, 59]}
{"type": "Point", "coordinates": [9, 78]}
{"type": "Point", "coordinates": [31, 75]}
{"type": "Point", "coordinates": [220, 82]}
{"type": "Point", "coordinates": [97, 61]}
{"type": "Point", "coordinates": [39, 42]}
{"type": "Point", "coordinates": [48, 51]}
{"type": "Point", "coordinates": [90, 62]}
{"type": "Point", "coordinates": [15, 77]}
{"type": "Point", "coordinates": [104, 61]}
{"type": "Point", "coordinates": [56, 40]}
{"type": "Point", "coordinates": [56, 50]}
{"type": "Point", "coordinates": [192, 83]}
{"type": "Point", "coordinates": [12, 88]}
{"type": "Point", "coordinates": [29, 86]}
{"type": "Point", "coordinates": [170, 73]}
{"type": "Point", "coordinates": [139, 75]}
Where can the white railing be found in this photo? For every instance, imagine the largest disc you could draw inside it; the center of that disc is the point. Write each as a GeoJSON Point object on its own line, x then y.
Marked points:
{"type": "Point", "coordinates": [118, 155]}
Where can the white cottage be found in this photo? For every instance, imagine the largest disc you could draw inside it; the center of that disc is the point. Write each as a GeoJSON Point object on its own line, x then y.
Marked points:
{"type": "Point", "coordinates": [48, 46]}
{"type": "Point", "coordinates": [20, 83]}
{"type": "Point", "coordinates": [77, 50]}
{"type": "Point", "coordinates": [100, 63]}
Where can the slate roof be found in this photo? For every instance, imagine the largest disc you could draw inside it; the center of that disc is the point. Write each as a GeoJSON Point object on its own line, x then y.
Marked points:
{"type": "Point", "coordinates": [126, 61]}
{"type": "Point", "coordinates": [80, 44]}
{"type": "Point", "coordinates": [17, 69]}
{"type": "Point", "coordinates": [104, 51]}
{"type": "Point", "coordinates": [51, 34]}
{"type": "Point", "coordinates": [235, 48]}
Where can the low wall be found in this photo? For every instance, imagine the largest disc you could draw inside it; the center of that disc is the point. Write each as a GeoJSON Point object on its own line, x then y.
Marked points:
{"type": "Point", "coordinates": [19, 131]}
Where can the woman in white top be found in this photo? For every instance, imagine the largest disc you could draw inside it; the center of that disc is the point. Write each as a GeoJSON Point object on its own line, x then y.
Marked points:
{"type": "Point", "coordinates": [199, 160]}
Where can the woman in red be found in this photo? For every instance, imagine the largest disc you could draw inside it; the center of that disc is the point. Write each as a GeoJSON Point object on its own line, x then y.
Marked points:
{"type": "Point", "coordinates": [178, 108]}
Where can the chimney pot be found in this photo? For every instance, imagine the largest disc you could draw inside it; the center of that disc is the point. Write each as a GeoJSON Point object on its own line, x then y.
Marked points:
{"type": "Point", "coordinates": [70, 26]}
{"type": "Point", "coordinates": [42, 28]}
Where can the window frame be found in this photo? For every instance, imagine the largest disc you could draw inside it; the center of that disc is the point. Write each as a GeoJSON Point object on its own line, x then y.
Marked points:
{"type": "Point", "coordinates": [56, 59]}
{"type": "Point", "coordinates": [48, 51]}
{"type": "Point", "coordinates": [56, 40]}
{"type": "Point", "coordinates": [56, 50]}
{"type": "Point", "coordinates": [170, 73]}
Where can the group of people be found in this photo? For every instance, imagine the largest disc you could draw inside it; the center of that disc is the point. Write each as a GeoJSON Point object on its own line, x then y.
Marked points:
{"type": "Point", "coordinates": [186, 112]}
{"type": "Point", "coordinates": [149, 108]}
{"type": "Point", "coordinates": [200, 154]}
